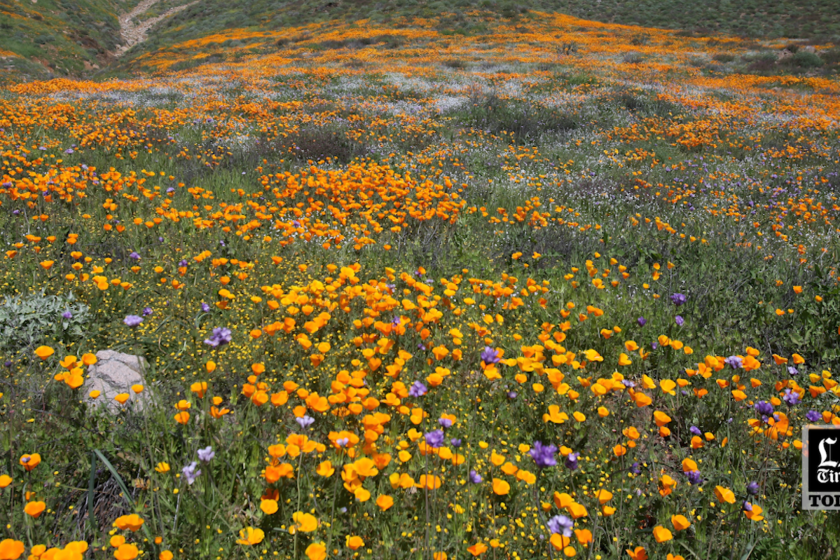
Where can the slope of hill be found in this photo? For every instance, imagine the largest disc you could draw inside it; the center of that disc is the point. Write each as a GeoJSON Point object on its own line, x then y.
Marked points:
{"type": "Point", "coordinates": [42, 37]}
{"type": "Point", "coordinates": [78, 37]}
{"type": "Point", "coordinates": [752, 18]}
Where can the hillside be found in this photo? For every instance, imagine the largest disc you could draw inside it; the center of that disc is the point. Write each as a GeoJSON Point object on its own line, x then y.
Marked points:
{"type": "Point", "coordinates": [493, 286]}
{"type": "Point", "coordinates": [59, 36]}
{"type": "Point", "coordinates": [63, 37]}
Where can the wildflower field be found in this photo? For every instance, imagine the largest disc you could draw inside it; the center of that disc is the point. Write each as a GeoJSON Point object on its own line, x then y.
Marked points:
{"type": "Point", "coordinates": [554, 288]}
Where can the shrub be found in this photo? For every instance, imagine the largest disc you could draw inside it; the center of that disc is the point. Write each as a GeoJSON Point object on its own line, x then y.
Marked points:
{"type": "Point", "coordinates": [526, 120]}
{"type": "Point", "coordinates": [831, 56]}
{"type": "Point", "coordinates": [27, 321]}
{"type": "Point", "coordinates": [632, 57]}
{"type": "Point", "coordinates": [763, 62]}
{"type": "Point", "coordinates": [321, 143]}
{"type": "Point", "coordinates": [723, 57]}
{"type": "Point", "coordinates": [803, 60]}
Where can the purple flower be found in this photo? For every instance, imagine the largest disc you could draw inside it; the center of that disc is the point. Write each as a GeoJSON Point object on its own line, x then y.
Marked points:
{"type": "Point", "coordinates": [67, 315]}
{"type": "Point", "coordinates": [191, 472]}
{"type": "Point", "coordinates": [791, 397]}
{"type": "Point", "coordinates": [678, 299]}
{"type": "Point", "coordinates": [752, 488]}
{"type": "Point", "coordinates": [792, 370]}
{"type": "Point", "coordinates": [305, 421]}
{"type": "Point", "coordinates": [434, 439]}
{"type": "Point", "coordinates": [456, 442]}
{"type": "Point", "coordinates": [572, 461]}
{"type": "Point", "coordinates": [765, 409]}
{"type": "Point", "coordinates": [489, 355]}
{"type": "Point", "coordinates": [475, 478]}
{"type": "Point", "coordinates": [694, 477]}
{"type": "Point", "coordinates": [635, 469]}
{"type": "Point", "coordinates": [679, 320]}
{"type": "Point", "coordinates": [445, 422]}
{"type": "Point", "coordinates": [747, 506]}
{"type": "Point", "coordinates": [417, 390]}
{"type": "Point", "coordinates": [543, 455]}
{"type": "Point", "coordinates": [183, 263]}
{"type": "Point", "coordinates": [206, 454]}
{"type": "Point", "coordinates": [134, 255]}
{"type": "Point", "coordinates": [511, 394]}
{"type": "Point", "coordinates": [205, 308]}
{"type": "Point", "coordinates": [642, 321]}
{"type": "Point", "coordinates": [813, 416]}
{"type": "Point", "coordinates": [561, 525]}
{"type": "Point", "coordinates": [133, 320]}
{"type": "Point", "coordinates": [147, 311]}
{"type": "Point", "coordinates": [219, 337]}
{"type": "Point", "coordinates": [735, 362]}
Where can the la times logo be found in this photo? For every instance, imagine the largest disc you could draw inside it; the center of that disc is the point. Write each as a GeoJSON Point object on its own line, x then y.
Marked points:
{"type": "Point", "coordinates": [821, 467]}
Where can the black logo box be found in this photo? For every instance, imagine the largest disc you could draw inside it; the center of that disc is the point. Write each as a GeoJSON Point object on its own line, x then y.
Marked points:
{"type": "Point", "coordinates": [821, 467]}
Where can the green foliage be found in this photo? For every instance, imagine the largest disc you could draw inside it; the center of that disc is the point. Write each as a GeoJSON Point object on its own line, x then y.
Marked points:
{"type": "Point", "coordinates": [28, 321]}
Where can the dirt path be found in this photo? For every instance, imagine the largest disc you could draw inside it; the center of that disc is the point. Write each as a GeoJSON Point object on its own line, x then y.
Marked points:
{"type": "Point", "coordinates": [136, 33]}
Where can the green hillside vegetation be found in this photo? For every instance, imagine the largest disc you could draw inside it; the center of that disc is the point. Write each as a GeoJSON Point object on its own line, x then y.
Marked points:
{"type": "Point", "coordinates": [811, 19]}
{"type": "Point", "coordinates": [78, 37]}
{"type": "Point", "coordinates": [59, 36]}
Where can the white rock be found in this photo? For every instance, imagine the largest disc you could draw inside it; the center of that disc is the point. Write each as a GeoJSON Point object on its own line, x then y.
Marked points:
{"type": "Point", "coordinates": [115, 373]}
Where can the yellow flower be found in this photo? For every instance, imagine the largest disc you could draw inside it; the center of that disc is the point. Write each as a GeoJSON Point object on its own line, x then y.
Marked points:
{"type": "Point", "coordinates": [304, 522]}
{"type": "Point", "coordinates": [680, 522]}
{"type": "Point", "coordinates": [354, 542]}
{"type": "Point", "coordinates": [384, 502]}
{"type": "Point", "coordinates": [268, 506]}
{"type": "Point", "coordinates": [661, 534]}
{"type": "Point", "coordinates": [250, 536]}
{"type": "Point", "coordinates": [34, 509]}
{"type": "Point", "coordinates": [316, 551]}
{"type": "Point", "coordinates": [131, 522]}
{"type": "Point", "coordinates": [44, 352]}
{"type": "Point", "coordinates": [500, 487]}
{"type": "Point", "coordinates": [126, 552]}
{"type": "Point", "coordinates": [29, 462]}
{"type": "Point", "coordinates": [162, 467]}
{"type": "Point", "coordinates": [724, 495]}
{"type": "Point", "coordinates": [11, 549]}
